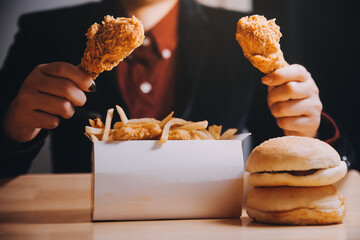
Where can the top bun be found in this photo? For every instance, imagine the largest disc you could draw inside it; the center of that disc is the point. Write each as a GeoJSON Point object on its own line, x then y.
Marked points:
{"type": "Point", "coordinates": [292, 153]}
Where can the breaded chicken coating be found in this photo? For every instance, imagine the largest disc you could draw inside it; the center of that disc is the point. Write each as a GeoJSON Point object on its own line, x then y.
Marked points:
{"type": "Point", "coordinates": [183, 135]}
{"type": "Point", "coordinates": [136, 131]}
{"type": "Point", "coordinates": [259, 40]}
{"type": "Point", "coordinates": [110, 43]}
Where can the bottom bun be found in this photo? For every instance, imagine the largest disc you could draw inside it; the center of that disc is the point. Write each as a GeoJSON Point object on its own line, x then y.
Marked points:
{"type": "Point", "coordinates": [300, 216]}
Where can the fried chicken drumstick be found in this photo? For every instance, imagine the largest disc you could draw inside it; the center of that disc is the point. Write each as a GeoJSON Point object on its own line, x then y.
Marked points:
{"type": "Point", "coordinates": [259, 39]}
{"type": "Point", "coordinates": [110, 43]}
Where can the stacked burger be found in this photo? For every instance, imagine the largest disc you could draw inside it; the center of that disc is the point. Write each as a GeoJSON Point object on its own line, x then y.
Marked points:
{"type": "Point", "coordinates": [293, 179]}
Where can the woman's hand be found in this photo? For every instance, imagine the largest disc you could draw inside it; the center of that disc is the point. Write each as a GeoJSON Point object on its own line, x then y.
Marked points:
{"type": "Point", "coordinates": [49, 92]}
{"type": "Point", "coordinates": [293, 99]}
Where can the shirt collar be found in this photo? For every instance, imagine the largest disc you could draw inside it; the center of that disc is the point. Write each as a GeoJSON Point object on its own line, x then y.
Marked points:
{"type": "Point", "coordinates": [165, 33]}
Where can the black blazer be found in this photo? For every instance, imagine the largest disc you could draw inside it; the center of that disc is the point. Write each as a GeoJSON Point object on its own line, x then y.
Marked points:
{"type": "Point", "coordinates": [215, 81]}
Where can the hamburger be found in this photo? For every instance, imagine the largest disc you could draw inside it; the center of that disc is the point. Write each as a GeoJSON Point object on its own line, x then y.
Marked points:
{"type": "Point", "coordinates": [296, 205]}
{"type": "Point", "coordinates": [294, 161]}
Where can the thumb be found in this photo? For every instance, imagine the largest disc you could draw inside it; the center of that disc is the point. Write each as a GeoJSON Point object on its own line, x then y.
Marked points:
{"type": "Point", "coordinates": [286, 74]}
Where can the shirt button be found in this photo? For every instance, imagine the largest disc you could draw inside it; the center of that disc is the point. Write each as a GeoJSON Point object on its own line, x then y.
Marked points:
{"type": "Point", "coordinates": [146, 42]}
{"type": "Point", "coordinates": [166, 53]}
{"type": "Point", "coordinates": [145, 87]}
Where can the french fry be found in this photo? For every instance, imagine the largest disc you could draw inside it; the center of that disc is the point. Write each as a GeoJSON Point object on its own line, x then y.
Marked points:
{"type": "Point", "coordinates": [98, 123]}
{"type": "Point", "coordinates": [194, 126]}
{"type": "Point", "coordinates": [122, 114]}
{"type": "Point", "coordinates": [169, 128]}
{"type": "Point", "coordinates": [108, 119]}
{"type": "Point", "coordinates": [228, 134]}
{"type": "Point", "coordinates": [92, 123]}
{"type": "Point", "coordinates": [94, 138]}
{"type": "Point", "coordinates": [215, 131]}
{"type": "Point", "coordinates": [204, 134]}
{"type": "Point", "coordinates": [94, 133]}
{"type": "Point", "coordinates": [166, 129]}
{"type": "Point", "coordinates": [165, 120]}
{"type": "Point", "coordinates": [93, 130]}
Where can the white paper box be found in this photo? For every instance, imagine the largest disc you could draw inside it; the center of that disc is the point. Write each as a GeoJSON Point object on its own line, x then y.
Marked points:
{"type": "Point", "coordinates": [139, 180]}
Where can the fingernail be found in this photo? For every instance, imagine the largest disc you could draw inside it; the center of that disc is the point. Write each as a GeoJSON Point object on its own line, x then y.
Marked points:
{"type": "Point", "coordinates": [267, 79]}
{"type": "Point", "coordinates": [92, 87]}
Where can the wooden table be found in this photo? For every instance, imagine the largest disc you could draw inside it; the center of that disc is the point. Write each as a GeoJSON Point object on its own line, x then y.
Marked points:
{"type": "Point", "coordinates": [55, 206]}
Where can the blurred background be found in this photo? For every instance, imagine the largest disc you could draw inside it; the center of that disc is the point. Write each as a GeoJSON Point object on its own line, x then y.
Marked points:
{"type": "Point", "coordinates": [322, 35]}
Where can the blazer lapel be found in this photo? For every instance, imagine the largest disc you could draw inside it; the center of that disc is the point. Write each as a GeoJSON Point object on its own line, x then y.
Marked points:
{"type": "Point", "coordinates": [193, 49]}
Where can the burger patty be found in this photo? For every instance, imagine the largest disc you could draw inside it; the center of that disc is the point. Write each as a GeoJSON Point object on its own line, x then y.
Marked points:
{"type": "Point", "coordinates": [297, 173]}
